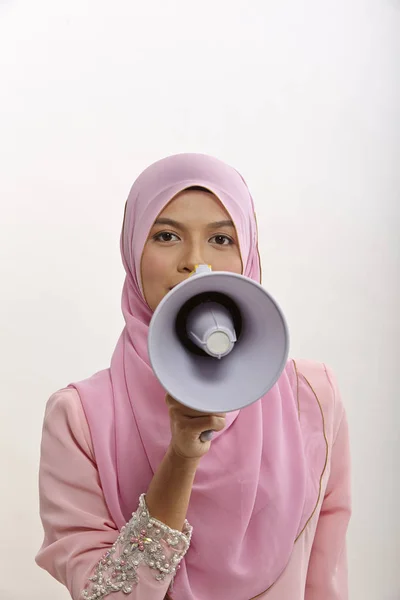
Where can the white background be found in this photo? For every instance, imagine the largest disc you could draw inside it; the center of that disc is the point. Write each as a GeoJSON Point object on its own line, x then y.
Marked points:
{"type": "Point", "coordinates": [304, 99]}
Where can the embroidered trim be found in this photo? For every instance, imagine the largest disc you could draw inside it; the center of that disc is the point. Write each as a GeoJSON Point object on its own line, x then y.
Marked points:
{"type": "Point", "coordinates": [143, 540]}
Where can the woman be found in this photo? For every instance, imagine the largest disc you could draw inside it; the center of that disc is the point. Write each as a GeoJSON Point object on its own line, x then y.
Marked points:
{"type": "Point", "coordinates": [123, 467]}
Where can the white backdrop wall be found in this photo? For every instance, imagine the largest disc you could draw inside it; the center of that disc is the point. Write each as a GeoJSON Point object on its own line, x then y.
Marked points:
{"type": "Point", "coordinates": [303, 98]}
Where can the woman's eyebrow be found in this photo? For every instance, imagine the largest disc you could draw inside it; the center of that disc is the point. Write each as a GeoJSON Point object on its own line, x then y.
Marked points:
{"type": "Point", "coordinates": [173, 223]}
{"type": "Point", "coordinates": [218, 224]}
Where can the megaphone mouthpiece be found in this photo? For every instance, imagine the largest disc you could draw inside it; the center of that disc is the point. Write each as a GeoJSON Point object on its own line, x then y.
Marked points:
{"type": "Point", "coordinates": [210, 326]}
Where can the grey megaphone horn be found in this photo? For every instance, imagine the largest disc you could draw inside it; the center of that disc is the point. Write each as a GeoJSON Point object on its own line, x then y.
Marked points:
{"type": "Point", "coordinates": [218, 341]}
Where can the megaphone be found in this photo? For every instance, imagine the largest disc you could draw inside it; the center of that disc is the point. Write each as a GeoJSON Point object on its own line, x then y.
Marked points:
{"type": "Point", "coordinates": [218, 341]}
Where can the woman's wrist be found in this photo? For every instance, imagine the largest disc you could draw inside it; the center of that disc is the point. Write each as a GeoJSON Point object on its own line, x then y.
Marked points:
{"type": "Point", "coordinates": [169, 492]}
{"type": "Point", "coordinates": [180, 462]}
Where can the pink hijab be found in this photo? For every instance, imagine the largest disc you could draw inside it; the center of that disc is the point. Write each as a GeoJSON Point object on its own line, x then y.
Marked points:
{"type": "Point", "coordinates": [252, 494]}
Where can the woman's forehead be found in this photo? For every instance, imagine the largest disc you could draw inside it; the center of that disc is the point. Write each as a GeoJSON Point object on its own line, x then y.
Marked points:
{"type": "Point", "coordinates": [194, 204]}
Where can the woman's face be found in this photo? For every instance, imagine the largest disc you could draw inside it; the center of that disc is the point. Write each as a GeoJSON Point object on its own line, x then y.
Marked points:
{"type": "Point", "coordinates": [194, 228]}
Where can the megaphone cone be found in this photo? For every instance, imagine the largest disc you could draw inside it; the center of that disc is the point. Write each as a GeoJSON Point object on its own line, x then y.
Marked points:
{"type": "Point", "coordinates": [218, 341]}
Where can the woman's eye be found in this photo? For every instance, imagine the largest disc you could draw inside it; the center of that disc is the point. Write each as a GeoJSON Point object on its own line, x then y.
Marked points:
{"type": "Point", "coordinates": [165, 236]}
{"type": "Point", "coordinates": [222, 240]}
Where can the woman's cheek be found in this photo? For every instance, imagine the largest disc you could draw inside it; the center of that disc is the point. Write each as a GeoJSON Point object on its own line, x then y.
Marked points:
{"type": "Point", "coordinates": [226, 261]}
{"type": "Point", "coordinates": [156, 264]}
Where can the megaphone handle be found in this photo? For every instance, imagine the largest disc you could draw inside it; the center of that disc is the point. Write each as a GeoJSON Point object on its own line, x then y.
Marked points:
{"type": "Point", "coordinates": [207, 436]}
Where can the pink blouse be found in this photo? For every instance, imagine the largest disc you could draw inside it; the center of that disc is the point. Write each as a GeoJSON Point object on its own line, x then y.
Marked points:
{"type": "Point", "coordinates": [78, 529]}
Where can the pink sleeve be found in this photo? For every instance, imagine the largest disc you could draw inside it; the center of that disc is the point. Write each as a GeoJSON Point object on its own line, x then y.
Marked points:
{"type": "Point", "coordinates": [327, 571]}
{"type": "Point", "coordinates": [78, 529]}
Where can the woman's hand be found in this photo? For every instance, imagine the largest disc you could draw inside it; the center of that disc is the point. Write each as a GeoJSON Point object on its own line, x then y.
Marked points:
{"type": "Point", "coordinates": [187, 425]}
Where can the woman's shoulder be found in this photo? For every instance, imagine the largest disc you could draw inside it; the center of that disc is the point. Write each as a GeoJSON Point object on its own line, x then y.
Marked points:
{"type": "Point", "coordinates": [316, 384]}
{"type": "Point", "coordinates": [64, 404]}
{"type": "Point", "coordinates": [312, 369]}
{"type": "Point", "coordinates": [65, 419]}
{"type": "Point", "coordinates": [319, 377]}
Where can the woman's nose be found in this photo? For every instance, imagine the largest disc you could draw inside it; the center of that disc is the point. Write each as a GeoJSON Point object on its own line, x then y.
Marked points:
{"type": "Point", "coordinates": [191, 257]}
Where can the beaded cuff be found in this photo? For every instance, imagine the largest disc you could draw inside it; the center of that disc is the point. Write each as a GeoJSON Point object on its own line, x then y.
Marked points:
{"type": "Point", "coordinates": [143, 540]}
